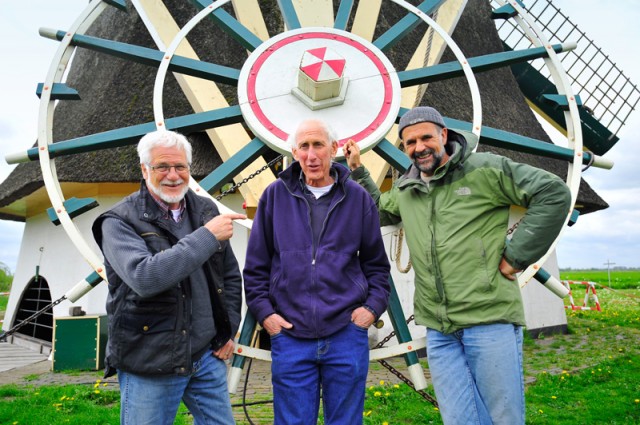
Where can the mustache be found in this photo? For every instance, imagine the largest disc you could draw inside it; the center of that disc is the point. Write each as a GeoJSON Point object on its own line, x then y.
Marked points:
{"type": "Point", "coordinates": [167, 182]}
{"type": "Point", "coordinates": [426, 152]}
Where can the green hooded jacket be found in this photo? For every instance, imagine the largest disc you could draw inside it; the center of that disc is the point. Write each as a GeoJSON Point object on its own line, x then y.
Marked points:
{"type": "Point", "coordinates": [456, 226]}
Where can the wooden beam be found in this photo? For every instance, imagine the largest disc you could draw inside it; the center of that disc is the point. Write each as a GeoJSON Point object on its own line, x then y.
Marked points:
{"type": "Point", "coordinates": [204, 96]}
{"type": "Point", "coordinates": [428, 53]}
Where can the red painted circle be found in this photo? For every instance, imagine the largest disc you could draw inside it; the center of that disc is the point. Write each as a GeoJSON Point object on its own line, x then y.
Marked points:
{"type": "Point", "coordinates": [260, 61]}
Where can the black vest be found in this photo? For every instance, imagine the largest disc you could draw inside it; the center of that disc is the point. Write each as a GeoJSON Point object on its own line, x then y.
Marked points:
{"type": "Point", "coordinates": [150, 335]}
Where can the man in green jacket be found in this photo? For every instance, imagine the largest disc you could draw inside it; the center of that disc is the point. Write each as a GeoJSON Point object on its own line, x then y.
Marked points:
{"type": "Point", "coordinates": [454, 205]}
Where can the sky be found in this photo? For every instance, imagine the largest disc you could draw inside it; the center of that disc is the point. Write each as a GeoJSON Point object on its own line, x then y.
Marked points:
{"type": "Point", "coordinates": [609, 236]}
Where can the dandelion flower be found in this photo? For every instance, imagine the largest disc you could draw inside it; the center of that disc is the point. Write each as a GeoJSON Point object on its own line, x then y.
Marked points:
{"type": "Point", "coordinates": [367, 413]}
{"type": "Point", "coordinates": [553, 397]}
{"type": "Point", "coordinates": [381, 382]}
{"type": "Point", "coordinates": [396, 386]}
{"type": "Point", "coordinates": [637, 400]}
{"type": "Point", "coordinates": [377, 394]}
{"type": "Point", "coordinates": [96, 392]}
{"type": "Point", "coordinates": [540, 411]}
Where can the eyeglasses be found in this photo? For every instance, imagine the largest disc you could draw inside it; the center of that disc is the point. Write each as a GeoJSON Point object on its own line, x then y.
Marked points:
{"type": "Point", "coordinates": [165, 168]}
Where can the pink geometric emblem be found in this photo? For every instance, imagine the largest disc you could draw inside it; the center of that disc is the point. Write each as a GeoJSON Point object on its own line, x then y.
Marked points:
{"type": "Point", "coordinates": [322, 64]}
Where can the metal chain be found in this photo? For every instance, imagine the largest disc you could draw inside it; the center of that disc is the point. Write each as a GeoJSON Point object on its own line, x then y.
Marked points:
{"type": "Point", "coordinates": [29, 319]}
{"type": "Point", "coordinates": [514, 227]}
{"type": "Point", "coordinates": [392, 334]}
{"type": "Point", "coordinates": [397, 373]}
{"type": "Point", "coordinates": [408, 382]}
{"type": "Point", "coordinates": [246, 179]}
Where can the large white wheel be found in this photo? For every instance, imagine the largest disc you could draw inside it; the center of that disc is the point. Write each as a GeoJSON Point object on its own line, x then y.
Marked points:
{"type": "Point", "coordinates": [377, 91]}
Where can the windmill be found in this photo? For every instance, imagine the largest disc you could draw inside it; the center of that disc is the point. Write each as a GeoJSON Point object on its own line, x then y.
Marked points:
{"type": "Point", "coordinates": [187, 66]}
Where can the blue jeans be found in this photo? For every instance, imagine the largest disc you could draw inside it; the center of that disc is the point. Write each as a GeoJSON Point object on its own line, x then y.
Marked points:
{"type": "Point", "coordinates": [300, 367]}
{"type": "Point", "coordinates": [154, 400]}
{"type": "Point", "coordinates": [477, 374]}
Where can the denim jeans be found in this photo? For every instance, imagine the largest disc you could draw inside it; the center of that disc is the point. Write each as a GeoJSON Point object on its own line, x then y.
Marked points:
{"type": "Point", "coordinates": [300, 367]}
{"type": "Point", "coordinates": [154, 400]}
{"type": "Point", "coordinates": [477, 374]}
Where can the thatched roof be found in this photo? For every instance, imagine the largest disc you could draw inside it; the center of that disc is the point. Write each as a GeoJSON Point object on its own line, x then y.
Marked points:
{"type": "Point", "coordinates": [117, 93]}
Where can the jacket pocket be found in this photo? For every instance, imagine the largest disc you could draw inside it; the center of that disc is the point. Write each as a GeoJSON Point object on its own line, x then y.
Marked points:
{"type": "Point", "coordinates": [156, 241]}
{"type": "Point", "coordinates": [148, 324]}
{"type": "Point", "coordinates": [482, 269]}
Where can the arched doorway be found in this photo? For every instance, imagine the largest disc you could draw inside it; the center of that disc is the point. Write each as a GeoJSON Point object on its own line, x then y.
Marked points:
{"type": "Point", "coordinates": [35, 297]}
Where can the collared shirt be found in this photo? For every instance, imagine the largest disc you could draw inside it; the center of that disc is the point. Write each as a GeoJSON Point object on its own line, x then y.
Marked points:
{"type": "Point", "coordinates": [166, 213]}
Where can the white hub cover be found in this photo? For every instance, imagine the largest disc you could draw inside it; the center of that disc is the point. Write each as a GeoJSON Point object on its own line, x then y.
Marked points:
{"type": "Point", "coordinates": [371, 103]}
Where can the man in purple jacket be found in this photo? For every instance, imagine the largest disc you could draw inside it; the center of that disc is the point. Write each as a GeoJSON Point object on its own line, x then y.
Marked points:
{"type": "Point", "coordinates": [316, 277]}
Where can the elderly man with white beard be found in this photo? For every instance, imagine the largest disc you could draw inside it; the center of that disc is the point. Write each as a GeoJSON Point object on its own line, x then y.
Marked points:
{"type": "Point", "coordinates": [174, 292]}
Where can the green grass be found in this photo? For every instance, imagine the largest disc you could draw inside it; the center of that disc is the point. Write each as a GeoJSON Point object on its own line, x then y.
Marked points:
{"type": "Point", "coordinates": [591, 375]}
{"type": "Point", "coordinates": [398, 404]}
{"type": "Point", "coordinates": [607, 393]}
{"type": "Point", "coordinates": [620, 279]}
{"type": "Point", "coordinates": [4, 299]}
{"type": "Point", "coordinates": [58, 405]}
{"type": "Point", "coordinates": [64, 404]}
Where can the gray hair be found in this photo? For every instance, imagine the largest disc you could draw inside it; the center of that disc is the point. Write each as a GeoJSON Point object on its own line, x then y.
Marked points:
{"type": "Point", "coordinates": [165, 139]}
{"type": "Point", "coordinates": [328, 131]}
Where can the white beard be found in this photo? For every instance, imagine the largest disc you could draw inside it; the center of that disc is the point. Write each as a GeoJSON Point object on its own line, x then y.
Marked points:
{"type": "Point", "coordinates": [169, 199]}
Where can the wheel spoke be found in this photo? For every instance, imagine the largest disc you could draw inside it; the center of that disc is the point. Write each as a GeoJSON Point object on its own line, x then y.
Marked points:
{"type": "Point", "coordinates": [59, 91]}
{"type": "Point", "coordinates": [289, 15]}
{"type": "Point", "coordinates": [130, 135]}
{"type": "Point", "coordinates": [232, 166]}
{"type": "Point", "coordinates": [394, 156]}
{"type": "Point", "coordinates": [405, 25]}
{"type": "Point", "coordinates": [232, 26]}
{"type": "Point", "coordinates": [153, 57]}
{"type": "Point", "coordinates": [515, 142]}
{"type": "Point", "coordinates": [342, 17]}
{"type": "Point", "coordinates": [453, 69]}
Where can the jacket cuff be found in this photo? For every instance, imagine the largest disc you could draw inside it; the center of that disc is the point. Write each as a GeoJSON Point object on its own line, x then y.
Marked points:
{"type": "Point", "coordinates": [372, 311]}
{"type": "Point", "coordinates": [359, 173]}
{"type": "Point", "coordinates": [518, 265]}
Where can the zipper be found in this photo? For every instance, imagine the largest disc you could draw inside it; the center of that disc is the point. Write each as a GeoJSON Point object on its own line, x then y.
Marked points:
{"type": "Point", "coordinates": [322, 231]}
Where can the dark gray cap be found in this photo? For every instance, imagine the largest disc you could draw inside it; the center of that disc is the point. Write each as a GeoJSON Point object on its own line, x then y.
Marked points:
{"type": "Point", "coordinates": [420, 114]}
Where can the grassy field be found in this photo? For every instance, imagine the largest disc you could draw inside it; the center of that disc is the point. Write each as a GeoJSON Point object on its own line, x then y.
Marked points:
{"type": "Point", "coordinates": [589, 376]}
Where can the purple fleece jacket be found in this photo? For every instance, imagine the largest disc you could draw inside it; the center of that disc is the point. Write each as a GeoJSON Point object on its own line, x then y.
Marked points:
{"type": "Point", "coordinates": [350, 268]}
